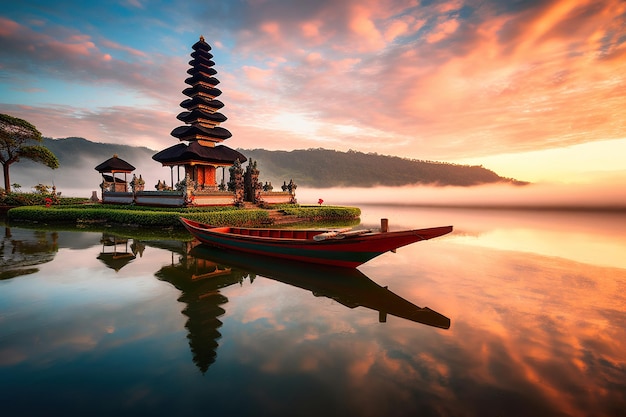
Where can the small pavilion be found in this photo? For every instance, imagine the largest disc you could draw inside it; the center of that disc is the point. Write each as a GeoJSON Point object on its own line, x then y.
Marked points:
{"type": "Point", "coordinates": [113, 166]}
{"type": "Point", "coordinates": [203, 153]}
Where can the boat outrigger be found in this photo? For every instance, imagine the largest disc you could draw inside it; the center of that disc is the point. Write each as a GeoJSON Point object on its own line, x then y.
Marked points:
{"type": "Point", "coordinates": [345, 248]}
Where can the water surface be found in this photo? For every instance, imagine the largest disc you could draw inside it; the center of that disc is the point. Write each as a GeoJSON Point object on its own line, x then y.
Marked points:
{"type": "Point", "coordinates": [98, 324]}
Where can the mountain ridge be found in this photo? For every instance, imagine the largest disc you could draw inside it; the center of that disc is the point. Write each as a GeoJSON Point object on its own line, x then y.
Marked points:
{"type": "Point", "coordinates": [315, 168]}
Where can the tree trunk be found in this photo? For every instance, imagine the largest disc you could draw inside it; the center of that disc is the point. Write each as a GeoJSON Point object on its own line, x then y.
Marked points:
{"type": "Point", "coordinates": [7, 181]}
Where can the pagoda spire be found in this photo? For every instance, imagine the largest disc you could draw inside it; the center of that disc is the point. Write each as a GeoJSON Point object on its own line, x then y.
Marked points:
{"type": "Point", "coordinates": [202, 116]}
{"type": "Point", "coordinates": [200, 150]}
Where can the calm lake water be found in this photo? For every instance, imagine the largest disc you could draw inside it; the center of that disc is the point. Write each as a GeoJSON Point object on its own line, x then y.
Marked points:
{"type": "Point", "coordinates": [94, 324]}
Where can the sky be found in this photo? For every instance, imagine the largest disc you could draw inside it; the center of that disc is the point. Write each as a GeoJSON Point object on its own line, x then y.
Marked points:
{"type": "Point", "coordinates": [534, 90]}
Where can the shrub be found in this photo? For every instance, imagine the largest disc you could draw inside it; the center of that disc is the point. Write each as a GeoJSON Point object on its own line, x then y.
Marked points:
{"type": "Point", "coordinates": [138, 217]}
{"type": "Point", "coordinates": [326, 212]}
{"type": "Point", "coordinates": [35, 199]}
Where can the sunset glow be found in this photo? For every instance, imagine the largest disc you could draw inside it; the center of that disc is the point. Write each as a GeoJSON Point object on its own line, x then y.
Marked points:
{"type": "Point", "coordinates": [534, 91]}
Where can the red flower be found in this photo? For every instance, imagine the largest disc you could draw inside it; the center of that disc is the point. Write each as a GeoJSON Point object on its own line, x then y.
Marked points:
{"type": "Point", "coordinates": [320, 201]}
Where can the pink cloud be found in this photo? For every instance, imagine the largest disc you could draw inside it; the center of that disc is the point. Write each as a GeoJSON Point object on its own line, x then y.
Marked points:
{"type": "Point", "coordinates": [442, 30]}
{"type": "Point", "coordinates": [314, 57]}
{"type": "Point", "coordinates": [487, 97]}
{"type": "Point", "coordinates": [311, 30]}
{"type": "Point", "coordinates": [364, 29]}
{"type": "Point", "coordinates": [114, 45]}
{"type": "Point", "coordinates": [432, 81]}
{"type": "Point", "coordinates": [271, 28]}
{"type": "Point", "coordinates": [122, 125]}
{"type": "Point", "coordinates": [77, 57]}
{"type": "Point", "coordinates": [395, 29]}
{"type": "Point", "coordinates": [8, 27]}
{"type": "Point", "coordinates": [135, 3]}
{"type": "Point", "coordinates": [259, 77]}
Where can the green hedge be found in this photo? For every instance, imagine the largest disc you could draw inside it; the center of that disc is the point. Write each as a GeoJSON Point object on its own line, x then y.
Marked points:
{"type": "Point", "coordinates": [169, 217]}
{"type": "Point", "coordinates": [323, 212]}
{"type": "Point", "coordinates": [33, 199]}
{"type": "Point", "coordinates": [145, 217]}
{"type": "Point", "coordinates": [231, 218]}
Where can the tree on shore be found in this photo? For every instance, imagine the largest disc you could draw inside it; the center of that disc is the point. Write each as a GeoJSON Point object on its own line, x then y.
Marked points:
{"type": "Point", "coordinates": [18, 139]}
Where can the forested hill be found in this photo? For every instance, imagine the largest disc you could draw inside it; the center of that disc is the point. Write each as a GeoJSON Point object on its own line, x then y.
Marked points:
{"type": "Point", "coordinates": [316, 168]}
{"type": "Point", "coordinates": [320, 168]}
{"type": "Point", "coordinates": [75, 151]}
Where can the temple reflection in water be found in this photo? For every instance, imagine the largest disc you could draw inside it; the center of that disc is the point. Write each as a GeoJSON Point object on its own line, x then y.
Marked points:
{"type": "Point", "coordinates": [200, 281]}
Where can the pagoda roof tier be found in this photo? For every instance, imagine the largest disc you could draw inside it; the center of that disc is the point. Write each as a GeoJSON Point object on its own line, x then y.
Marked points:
{"type": "Point", "coordinates": [201, 103]}
{"type": "Point", "coordinates": [198, 114]}
{"type": "Point", "coordinates": [115, 164]}
{"type": "Point", "coordinates": [199, 78]}
{"type": "Point", "coordinates": [206, 54]}
{"type": "Point", "coordinates": [200, 61]}
{"type": "Point", "coordinates": [202, 70]}
{"type": "Point", "coordinates": [202, 90]}
{"type": "Point", "coordinates": [201, 45]}
{"type": "Point", "coordinates": [183, 153]}
{"type": "Point", "coordinates": [196, 132]}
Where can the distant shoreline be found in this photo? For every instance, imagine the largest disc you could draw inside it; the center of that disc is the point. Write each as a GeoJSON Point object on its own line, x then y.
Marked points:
{"type": "Point", "coordinates": [508, 207]}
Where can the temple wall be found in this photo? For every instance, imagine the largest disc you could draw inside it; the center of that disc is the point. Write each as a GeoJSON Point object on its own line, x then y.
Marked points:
{"type": "Point", "coordinates": [276, 197]}
{"type": "Point", "coordinates": [112, 197]}
{"type": "Point", "coordinates": [214, 199]}
{"type": "Point", "coordinates": [169, 198]}
{"type": "Point", "coordinates": [160, 198]}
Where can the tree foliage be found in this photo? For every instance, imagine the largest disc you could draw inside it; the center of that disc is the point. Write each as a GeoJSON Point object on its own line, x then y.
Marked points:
{"type": "Point", "coordinates": [16, 142]}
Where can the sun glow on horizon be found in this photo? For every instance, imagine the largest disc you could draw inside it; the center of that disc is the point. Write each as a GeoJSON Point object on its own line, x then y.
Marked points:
{"type": "Point", "coordinates": [583, 163]}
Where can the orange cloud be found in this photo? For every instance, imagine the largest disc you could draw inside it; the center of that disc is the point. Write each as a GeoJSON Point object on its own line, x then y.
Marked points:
{"type": "Point", "coordinates": [271, 28]}
{"type": "Point", "coordinates": [440, 81]}
{"type": "Point", "coordinates": [442, 30]}
{"type": "Point", "coordinates": [311, 30]}
{"type": "Point", "coordinates": [365, 31]}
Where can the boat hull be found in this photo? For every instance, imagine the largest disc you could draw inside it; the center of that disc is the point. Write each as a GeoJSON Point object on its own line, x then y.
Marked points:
{"type": "Point", "coordinates": [349, 252]}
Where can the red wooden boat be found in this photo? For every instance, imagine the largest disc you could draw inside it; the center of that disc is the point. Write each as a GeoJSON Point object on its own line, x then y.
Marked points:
{"type": "Point", "coordinates": [329, 247]}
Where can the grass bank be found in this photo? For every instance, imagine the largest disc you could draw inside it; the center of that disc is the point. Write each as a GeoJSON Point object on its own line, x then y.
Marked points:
{"type": "Point", "coordinates": [139, 216]}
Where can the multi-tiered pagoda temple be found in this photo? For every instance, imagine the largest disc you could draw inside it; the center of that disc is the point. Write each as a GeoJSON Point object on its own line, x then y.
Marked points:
{"type": "Point", "coordinates": [203, 154]}
{"type": "Point", "coordinates": [200, 153]}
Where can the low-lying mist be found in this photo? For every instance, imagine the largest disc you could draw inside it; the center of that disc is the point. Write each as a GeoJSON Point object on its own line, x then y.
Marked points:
{"type": "Point", "coordinates": [82, 179]}
{"type": "Point", "coordinates": [608, 193]}
{"type": "Point", "coordinates": [605, 195]}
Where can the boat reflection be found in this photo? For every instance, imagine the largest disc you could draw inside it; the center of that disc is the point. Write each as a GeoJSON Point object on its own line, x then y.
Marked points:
{"type": "Point", "coordinates": [201, 272]}
{"type": "Point", "coordinates": [347, 286]}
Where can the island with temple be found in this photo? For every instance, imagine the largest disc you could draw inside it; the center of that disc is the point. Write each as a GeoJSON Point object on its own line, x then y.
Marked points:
{"type": "Point", "coordinates": [208, 182]}
{"type": "Point", "coordinates": [200, 158]}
